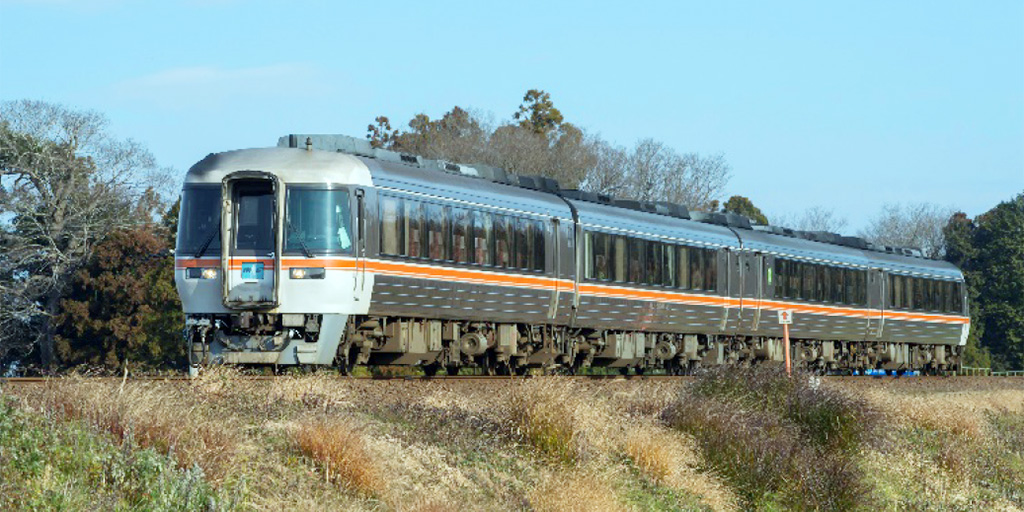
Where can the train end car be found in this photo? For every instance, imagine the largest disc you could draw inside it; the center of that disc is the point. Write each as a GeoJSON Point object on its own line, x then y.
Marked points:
{"type": "Point", "coordinates": [268, 257]}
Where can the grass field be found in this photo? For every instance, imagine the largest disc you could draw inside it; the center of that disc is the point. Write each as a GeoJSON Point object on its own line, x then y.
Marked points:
{"type": "Point", "coordinates": [743, 440]}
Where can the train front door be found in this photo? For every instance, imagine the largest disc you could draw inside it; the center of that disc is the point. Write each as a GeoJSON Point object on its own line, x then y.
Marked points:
{"type": "Point", "coordinates": [250, 259]}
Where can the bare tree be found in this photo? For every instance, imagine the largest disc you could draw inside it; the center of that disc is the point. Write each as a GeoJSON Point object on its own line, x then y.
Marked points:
{"type": "Point", "coordinates": [608, 176]}
{"type": "Point", "coordinates": [910, 225]}
{"type": "Point", "coordinates": [539, 141]}
{"type": "Point", "coordinates": [699, 181]}
{"type": "Point", "coordinates": [64, 184]}
{"type": "Point", "coordinates": [652, 171]}
{"type": "Point", "coordinates": [815, 218]}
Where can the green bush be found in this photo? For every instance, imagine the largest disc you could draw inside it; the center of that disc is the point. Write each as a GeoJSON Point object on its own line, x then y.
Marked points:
{"type": "Point", "coordinates": [53, 465]}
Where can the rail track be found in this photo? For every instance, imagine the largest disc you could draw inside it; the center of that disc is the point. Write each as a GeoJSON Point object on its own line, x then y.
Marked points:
{"type": "Point", "coordinates": [185, 378]}
{"type": "Point", "coordinates": [485, 378]}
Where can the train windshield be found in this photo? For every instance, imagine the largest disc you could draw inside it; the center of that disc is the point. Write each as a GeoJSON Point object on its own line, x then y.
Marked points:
{"type": "Point", "coordinates": [318, 221]}
{"type": "Point", "coordinates": [199, 221]}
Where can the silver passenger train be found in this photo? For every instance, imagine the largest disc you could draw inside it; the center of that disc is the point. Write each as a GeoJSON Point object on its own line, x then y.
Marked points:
{"type": "Point", "coordinates": [346, 254]}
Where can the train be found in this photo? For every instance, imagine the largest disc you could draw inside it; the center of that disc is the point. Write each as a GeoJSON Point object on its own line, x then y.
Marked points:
{"type": "Point", "coordinates": [327, 251]}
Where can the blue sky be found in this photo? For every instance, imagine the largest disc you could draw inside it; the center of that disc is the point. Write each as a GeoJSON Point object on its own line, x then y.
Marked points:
{"type": "Point", "coordinates": [846, 105]}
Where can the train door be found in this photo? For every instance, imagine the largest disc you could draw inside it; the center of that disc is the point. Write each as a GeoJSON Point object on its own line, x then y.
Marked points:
{"type": "Point", "coordinates": [749, 267]}
{"type": "Point", "coordinates": [554, 228]}
{"type": "Point", "coordinates": [753, 289]}
{"type": "Point", "coordinates": [876, 293]}
{"type": "Point", "coordinates": [359, 283]}
{"type": "Point", "coordinates": [250, 259]}
{"type": "Point", "coordinates": [733, 288]}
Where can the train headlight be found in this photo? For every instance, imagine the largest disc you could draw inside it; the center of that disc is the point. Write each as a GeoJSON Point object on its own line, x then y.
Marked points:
{"type": "Point", "coordinates": [201, 273]}
{"type": "Point", "coordinates": [308, 273]}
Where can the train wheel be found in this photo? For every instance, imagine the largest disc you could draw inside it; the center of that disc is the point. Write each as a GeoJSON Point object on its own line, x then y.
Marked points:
{"type": "Point", "coordinates": [345, 361]}
{"type": "Point", "coordinates": [431, 369]}
{"type": "Point", "coordinates": [624, 370]}
{"type": "Point", "coordinates": [451, 370]}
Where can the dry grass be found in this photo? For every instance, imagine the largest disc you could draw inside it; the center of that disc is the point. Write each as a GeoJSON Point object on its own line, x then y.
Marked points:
{"type": "Point", "coordinates": [574, 491]}
{"type": "Point", "coordinates": [560, 420]}
{"type": "Point", "coordinates": [342, 453]}
{"type": "Point", "coordinates": [958, 412]}
{"type": "Point", "coordinates": [303, 442]}
{"type": "Point", "coordinates": [672, 459]}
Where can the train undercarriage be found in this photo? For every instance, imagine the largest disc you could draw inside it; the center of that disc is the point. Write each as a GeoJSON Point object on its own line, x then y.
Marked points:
{"type": "Point", "coordinates": [507, 349]}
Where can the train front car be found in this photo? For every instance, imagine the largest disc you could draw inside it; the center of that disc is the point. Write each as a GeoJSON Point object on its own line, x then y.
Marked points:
{"type": "Point", "coordinates": [268, 255]}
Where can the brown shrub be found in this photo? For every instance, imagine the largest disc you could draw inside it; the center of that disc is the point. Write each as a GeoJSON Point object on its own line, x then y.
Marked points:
{"type": "Point", "coordinates": [574, 492]}
{"type": "Point", "coordinates": [343, 454]}
{"type": "Point", "coordinates": [557, 418]}
{"type": "Point", "coordinates": [651, 451]}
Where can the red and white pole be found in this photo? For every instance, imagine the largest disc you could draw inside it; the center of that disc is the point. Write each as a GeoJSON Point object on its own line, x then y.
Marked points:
{"type": "Point", "coordinates": [785, 345]}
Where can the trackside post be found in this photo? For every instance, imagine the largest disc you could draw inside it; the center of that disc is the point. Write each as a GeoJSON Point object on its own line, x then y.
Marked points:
{"type": "Point", "coordinates": [786, 318]}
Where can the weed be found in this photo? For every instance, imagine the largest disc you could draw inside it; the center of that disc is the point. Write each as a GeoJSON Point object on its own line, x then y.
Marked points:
{"type": "Point", "coordinates": [343, 454]}
{"type": "Point", "coordinates": [778, 439]}
{"type": "Point", "coordinates": [49, 464]}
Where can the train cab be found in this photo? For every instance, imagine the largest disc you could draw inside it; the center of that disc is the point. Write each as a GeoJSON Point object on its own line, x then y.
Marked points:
{"type": "Point", "coordinates": [268, 255]}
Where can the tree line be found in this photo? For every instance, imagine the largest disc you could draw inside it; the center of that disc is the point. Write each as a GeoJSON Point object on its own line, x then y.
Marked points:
{"type": "Point", "coordinates": [88, 220]}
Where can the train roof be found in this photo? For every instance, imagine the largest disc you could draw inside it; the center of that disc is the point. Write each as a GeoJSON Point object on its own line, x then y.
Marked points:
{"type": "Point", "coordinates": [403, 179]}
{"type": "Point", "coordinates": [638, 223]}
{"type": "Point", "coordinates": [489, 186]}
{"type": "Point", "coordinates": [291, 165]}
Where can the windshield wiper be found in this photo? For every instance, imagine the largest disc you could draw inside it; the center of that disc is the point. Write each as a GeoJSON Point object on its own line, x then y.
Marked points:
{"type": "Point", "coordinates": [209, 240]}
{"type": "Point", "coordinates": [301, 240]}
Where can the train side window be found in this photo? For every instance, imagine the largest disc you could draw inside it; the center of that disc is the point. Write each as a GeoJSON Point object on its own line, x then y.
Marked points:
{"type": "Point", "coordinates": [806, 281]}
{"type": "Point", "coordinates": [954, 297]}
{"type": "Point", "coordinates": [777, 271]}
{"type": "Point", "coordinates": [668, 265]}
{"type": "Point", "coordinates": [462, 227]}
{"type": "Point", "coordinates": [696, 268]}
{"type": "Point", "coordinates": [837, 285]}
{"type": "Point", "coordinates": [620, 258]}
{"type": "Point", "coordinates": [788, 278]}
{"type": "Point", "coordinates": [653, 263]}
{"type": "Point", "coordinates": [414, 234]}
{"type": "Point", "coordinates": [919, 290]}
{"type": "Point", "coordinates": [710, 269]}
{"type": "Point", "coordinates": [791, 278]}
{"type": "Point", "coordinates": [538, 245]}
{"type": "Point", "coordinates": [683, 272]}
{"type": "Point", "coordinates": [524, 243]}
{"type": "Point", "coordinates": [637, 250]}
{"type": "Point", "coordinates": [862, 287]}
{"type": "Point", "coordinates": [483, 238]}
{"type": "Point", "coordinates": [597, 256]}
{"type": "Point", "coordinates": [503, 241]}
{"type": "Point", "coordinates": [824, 276]}
{"type": "Point", "coordinates": [795, 279]}
{"type": "Point", "coordinates": [438, 232]}
{"type": "Point", "coordinates": [590, 255]}
{"type": "Point", "coordinates": [958, 297]}
{"type": "Point", "coordinates": [897, 291]}
{"type": "Point", "coordinates": [391, 234]}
